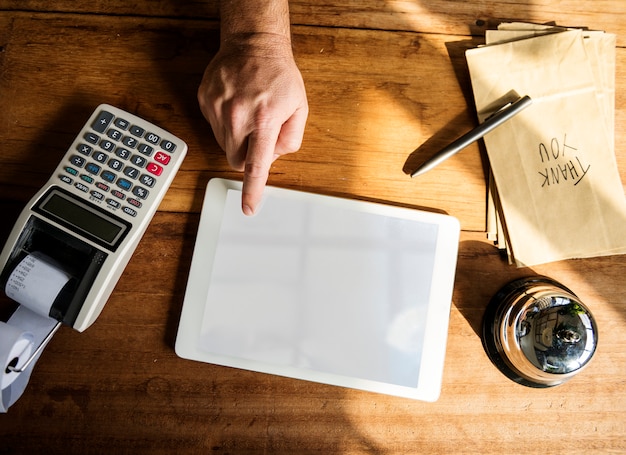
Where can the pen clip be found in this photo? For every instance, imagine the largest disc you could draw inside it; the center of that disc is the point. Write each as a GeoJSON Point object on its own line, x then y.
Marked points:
{"type": "Point", "coordinates": [502, 108]}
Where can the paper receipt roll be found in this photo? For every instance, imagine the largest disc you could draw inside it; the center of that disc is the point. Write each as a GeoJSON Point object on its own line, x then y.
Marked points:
{"type": "Point", "coordinates": [35, 284]}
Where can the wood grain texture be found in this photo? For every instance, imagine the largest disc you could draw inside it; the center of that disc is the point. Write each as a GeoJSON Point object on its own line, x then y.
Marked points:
{"type": "Point", "coordinates": [382, 97]}
{"type": "Point", "coordinates": [449, 17]}
{"type": "Point", "coordinates": [120, 387]}
{"type": "Point", "coordinates": [367, 115]}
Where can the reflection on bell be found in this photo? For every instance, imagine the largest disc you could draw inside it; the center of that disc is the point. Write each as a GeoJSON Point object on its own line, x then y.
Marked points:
{"type": "Point", "coordinates": [538, 333]}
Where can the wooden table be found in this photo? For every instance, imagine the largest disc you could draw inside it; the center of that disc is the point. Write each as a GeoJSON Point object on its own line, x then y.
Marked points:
{"type": "Point", "coordinates": [383, 79]}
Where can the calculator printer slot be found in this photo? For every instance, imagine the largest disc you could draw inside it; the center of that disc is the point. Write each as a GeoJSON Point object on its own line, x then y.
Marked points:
{"type": "Point", "coordinates": [76, 257]}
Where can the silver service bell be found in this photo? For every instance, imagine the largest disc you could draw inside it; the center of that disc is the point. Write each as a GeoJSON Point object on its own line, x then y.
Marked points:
{"type": "Point", "coordinates": [538, 333]}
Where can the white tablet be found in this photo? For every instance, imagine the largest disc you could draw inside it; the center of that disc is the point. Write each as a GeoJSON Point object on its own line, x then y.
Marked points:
{"type": "Point", "coordinates": [324, 289]}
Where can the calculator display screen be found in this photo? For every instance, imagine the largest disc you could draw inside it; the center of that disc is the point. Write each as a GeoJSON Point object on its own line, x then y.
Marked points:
{"type": "Point", "coordinates": [83, 218]}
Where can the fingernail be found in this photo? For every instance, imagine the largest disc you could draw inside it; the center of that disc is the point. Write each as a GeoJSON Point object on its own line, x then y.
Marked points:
{"type": "Point", "coordinates": [247, 210]}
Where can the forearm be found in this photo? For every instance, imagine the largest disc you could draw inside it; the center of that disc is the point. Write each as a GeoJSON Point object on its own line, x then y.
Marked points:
{"type": "Point", "coordinates": [245, 18]}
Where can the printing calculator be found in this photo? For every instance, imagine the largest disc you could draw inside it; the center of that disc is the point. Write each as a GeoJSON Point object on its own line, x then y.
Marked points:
{"type": "Point", "coordinates": [90, 215]}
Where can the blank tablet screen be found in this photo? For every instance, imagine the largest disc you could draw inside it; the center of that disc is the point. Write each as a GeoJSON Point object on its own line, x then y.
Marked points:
{"type": "Point", "coordinates": [320, 287]}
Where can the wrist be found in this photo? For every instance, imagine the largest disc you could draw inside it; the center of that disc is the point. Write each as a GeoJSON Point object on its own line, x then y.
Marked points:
{"type": "Point", "coordinates": [257, 44]}
{"type": "Point", "coordinates": [243, 17]}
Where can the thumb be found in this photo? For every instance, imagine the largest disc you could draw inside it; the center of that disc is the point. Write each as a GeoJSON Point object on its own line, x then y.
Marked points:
{"type": "Point", "coordinates": [292, 132]}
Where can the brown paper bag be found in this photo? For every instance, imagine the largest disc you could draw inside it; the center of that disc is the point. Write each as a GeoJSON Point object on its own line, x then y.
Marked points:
{"type": "Point", "coordinates": [559, 189]}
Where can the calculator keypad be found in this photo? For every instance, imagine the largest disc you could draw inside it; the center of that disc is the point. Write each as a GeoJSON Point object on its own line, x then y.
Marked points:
{"type": "Point", "coordinates": [118, 162]}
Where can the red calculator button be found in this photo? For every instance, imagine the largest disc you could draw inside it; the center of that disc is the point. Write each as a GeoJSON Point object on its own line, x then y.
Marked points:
{"type": "Point", "coordinates": [162, 158]}
{"type": "Point", "coordinates": [154, 168]}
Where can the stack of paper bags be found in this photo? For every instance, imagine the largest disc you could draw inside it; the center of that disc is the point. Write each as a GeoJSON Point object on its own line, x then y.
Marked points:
{"type": "Point", "coordinates": [555, 190]}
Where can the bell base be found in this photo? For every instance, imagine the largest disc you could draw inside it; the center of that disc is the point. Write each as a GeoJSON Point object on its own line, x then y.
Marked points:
{"type": "Point", "coordinates": [492, 320]}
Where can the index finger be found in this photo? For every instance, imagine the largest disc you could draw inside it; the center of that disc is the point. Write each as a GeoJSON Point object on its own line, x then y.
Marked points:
{"type": "Point", "coordinates": [261, 149]}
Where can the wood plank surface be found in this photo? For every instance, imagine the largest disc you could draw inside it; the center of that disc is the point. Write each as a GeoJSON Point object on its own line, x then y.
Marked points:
{"type": "Point", "coordinates": [367, 116]}
{"type": "Point", "coordinates": [449, 17]}
{"type": "Point", "coordinates": [382, 97]}
{"type": "Point", "coordinates": [120, 387]}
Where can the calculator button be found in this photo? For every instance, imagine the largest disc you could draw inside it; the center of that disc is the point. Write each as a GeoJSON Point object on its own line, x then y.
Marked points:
{"type": "Point", "coordinates": [122, 123]}
{"type": "Point", "coordinates": [135, 202]}
{"type": "Point", "coordinates": [114, 134]}
{"type": "Point", "coordinates": [92, 168]}
{"type": "Point", "coordinates": [113, 203]}
{"type": "Point", "coordinates": [138, 160]}
{"type": "Point", "coordinates": [102, 186]}
{"type": "Point", "coordinates": [102, 121]}
{"type": "Point", "coordinates": [107, 146]}
{"type": "Point", "coordinates": [116, 165]}
{"type": "Point", "coordinates": [97, 194]}
{"type": "Point", "coordinates": [91, 138]}
{"type": "Point", "coordinates": [118, 194]}
{"type": "Point", "coordinates": [131, 172]}
{"type": "Point", "coordinates": [124, 184]}
{"type": "Point", "coordinates": [140, 192]}
{"type": "Point", "coordinates": [77, 161]}
{"type": "Point", "coordinates": [122, 153]}
{"type": "Point", "coordinates": [84, 149]}
{"type": "Point", "coordinates": [155, 169]}
{"type": "Point", "coordinates": [168, 146]}
{"type": "Point", "coordinates": [152, 138]}
{"type": "Point", "coordinates": [147, 180]}
{"type": "Point", "coordinates": [129, 211]}
{"type": "Point", "coordinates": [137, 131]}
{"type": "Point", "coordinates": [129, 141]}
{"type": "Point", "coordinates": [71, 170]}
{"type": "Point", "coordinates": [81, 187]}
{"type": "Point", "coordinates": [145, 149]}
{"type": "Point", "coordinates": [86, 178]}
{"type": "Point", "coordinates": [66, 179]}
{"type": "Point", "coordinates": [162, 158]}
{"type": "Point", "coordinates": [108, 176]}
{"type": "Point", "coordinates": [100, 157]}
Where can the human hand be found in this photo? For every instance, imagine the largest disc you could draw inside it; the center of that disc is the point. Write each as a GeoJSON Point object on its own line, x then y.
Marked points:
{"type": "Point", "coordinates": [253, 95]}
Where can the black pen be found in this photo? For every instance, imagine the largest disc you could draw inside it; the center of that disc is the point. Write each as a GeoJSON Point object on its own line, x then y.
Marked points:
{"type": "Point", "coordinates": [499, 117]}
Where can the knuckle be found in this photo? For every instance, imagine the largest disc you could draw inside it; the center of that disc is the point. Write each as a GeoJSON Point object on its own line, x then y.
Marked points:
{"type": "Point", "coordinates": [236, 114]}
{"type": "Point", "coordinates": [256, 169]}
{"type": "Point", "coordinates": [264, 118]}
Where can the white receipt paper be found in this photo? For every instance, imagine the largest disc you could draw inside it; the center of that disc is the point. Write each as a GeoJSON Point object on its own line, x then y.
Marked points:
{"type": "Point", "coordinates": [34, 283]}
{"type": "Point", "coordinates": [318, 288]}
{"type": "Point", "coordinates": [16, 346]}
